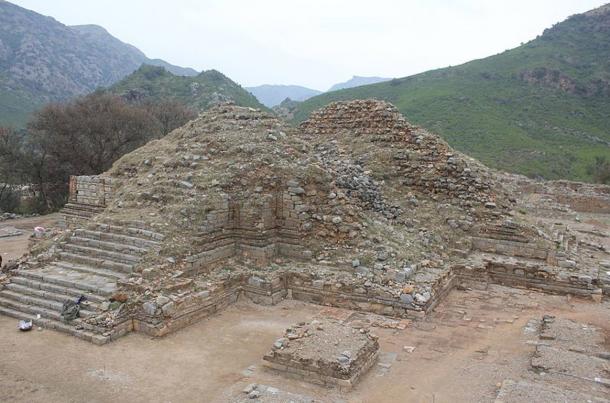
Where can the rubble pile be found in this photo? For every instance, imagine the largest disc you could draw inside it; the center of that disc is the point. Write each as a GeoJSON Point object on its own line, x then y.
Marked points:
{"type": "Point", "coordinates": [235, 199]}
{"type": "Point", "coordinates": [238, 184]}
{"type": "Point", "coordinates": [232, 169]}
{"type": "Point", "coordinates": [394, 150]}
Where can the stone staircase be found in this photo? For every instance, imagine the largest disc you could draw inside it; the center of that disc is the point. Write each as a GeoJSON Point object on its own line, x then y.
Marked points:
{"type": "Point", "coordinates": [90, 263]}
{"type": "Point", "coordinates": [76, 214]}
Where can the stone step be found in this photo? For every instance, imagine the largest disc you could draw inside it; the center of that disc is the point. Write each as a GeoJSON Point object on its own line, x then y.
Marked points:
{"type": "Point", "coordinates": [35, 286]}
{"type": "Point", "coordinates": [92, 285]}
{"type": "Point", "coordinates": [83, 207]}
{"type": "Point", "coordinates": [128, 223]}
{"type": "Point", "coordinates": [109, 265]}
{"type": "Point", "coordinates": [109, 246]}
{"type": "Point", "coordinates": [100, 253]}
{"type": "Point", "coordinates": [60, 295]}
{"type": "Point", "coordinates": [76, 215]}
{"type": "Point", "coordinates": [130, 231]}
{"type": "Point", "coordinates": [47, 323]}
{"type": "Point", "coordinates": [27, 304]}
{"type": "Point", "coordinates": [118, 238]}
{"type": "Point", "coordinates": [93, 270]}
{"type": "Point", "coordinates": [78, 212]}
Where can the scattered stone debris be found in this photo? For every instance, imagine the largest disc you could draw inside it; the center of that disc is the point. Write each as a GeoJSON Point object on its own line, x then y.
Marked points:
{"type": "Point", "coordinates": [15, 216]}
{"type": "Point", "coordinates": [268, 394]}
{"type": "Point", "coordinates": [6, 232]}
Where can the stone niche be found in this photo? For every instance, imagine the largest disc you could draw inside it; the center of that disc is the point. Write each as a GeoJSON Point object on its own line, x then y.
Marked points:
{"type": "Point", "coordinates": [256, 228]}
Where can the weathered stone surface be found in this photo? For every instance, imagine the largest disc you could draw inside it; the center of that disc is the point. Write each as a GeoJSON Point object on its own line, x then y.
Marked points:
{"type": "Point", "coordinates": [149, 308]}
{"type": "Point", "coordinates": [523, 391]}
{"type": "Point", "coordinates": [326, 352]}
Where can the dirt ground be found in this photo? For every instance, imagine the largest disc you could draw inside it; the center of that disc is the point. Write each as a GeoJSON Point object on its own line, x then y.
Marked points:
{"type": "Point", "coordinates": [15, 246]}
{"type": "Point", "coordinates": [473, 341]}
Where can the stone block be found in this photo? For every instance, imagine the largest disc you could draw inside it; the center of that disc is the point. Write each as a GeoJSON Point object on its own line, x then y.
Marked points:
{"type": "Point", "coordinates": [305, 353]}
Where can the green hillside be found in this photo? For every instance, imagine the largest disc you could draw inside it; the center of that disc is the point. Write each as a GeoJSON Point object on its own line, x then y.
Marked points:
{"type": "Point", "coordinates": [198, 92]}
{"type": "Point", "coordinates": [542, 109]}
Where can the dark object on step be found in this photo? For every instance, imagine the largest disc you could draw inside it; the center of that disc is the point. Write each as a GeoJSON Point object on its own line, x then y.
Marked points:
{"type": "Point", "coordinates": [71, 309]}
{"type": "Point", "coordinates": [119, 297]}
{"type": "Point", "coordinates": [10, 266]}
{"type": "Point", "coordinates": [25, 325]}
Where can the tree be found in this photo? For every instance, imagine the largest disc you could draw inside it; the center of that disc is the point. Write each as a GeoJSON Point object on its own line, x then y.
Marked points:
{"type": "Point", "coordinates": [82, 137]}
{"type": "Point", "coordinates": [11, 172]}
{"type": "Point", "coordinates": [86, 136]}
{"type": "Point", "coordinates": [170, 114]}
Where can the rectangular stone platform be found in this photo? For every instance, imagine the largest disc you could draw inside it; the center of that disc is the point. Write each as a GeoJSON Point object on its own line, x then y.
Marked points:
{"type": "Point", "coordinates": [324, 352]}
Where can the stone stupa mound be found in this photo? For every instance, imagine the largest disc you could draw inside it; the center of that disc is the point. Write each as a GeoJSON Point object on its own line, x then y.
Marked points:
{"type": "Point", "coordinates": [356, 208]}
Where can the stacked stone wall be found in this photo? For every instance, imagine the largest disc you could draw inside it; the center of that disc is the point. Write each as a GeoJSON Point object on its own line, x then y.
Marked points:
{"type": "Point", "coordinates": [532, 276]}
{"type": "Point", "coordinates": [418, 159]}
{"type": "Point", "coordinates": [91, 190]}
{"type": "Point", "coordinates": [255, 229]}
{"type": "Point", "coordinates": [510, 248]}
{"type": "Point", "coordinates": [580, 197]}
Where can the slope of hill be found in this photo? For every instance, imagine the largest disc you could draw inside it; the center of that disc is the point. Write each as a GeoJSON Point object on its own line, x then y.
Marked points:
{"type": "Point", "coordinates": [357, 81]}
{"type": "Point", "coordinates": [42, 60]}
{"type": "Point", "coordinates": [271, 95]}
{"type": "Point", "coordinates": [101, 37]}
{"type": "Point", "coordinates": [199, 92]}
{"type": "Point", "coordinates": [542, 109]}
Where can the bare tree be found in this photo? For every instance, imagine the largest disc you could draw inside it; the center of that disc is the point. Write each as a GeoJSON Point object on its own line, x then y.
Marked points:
{"type": "Point", "coordinates": [82, 137]}
{"type": "Point", "coordinates": [87, 135]}
{"type": "Point", "coordinates": [12, 172]}
{"type": "Point", "coordinates": [170, 114]}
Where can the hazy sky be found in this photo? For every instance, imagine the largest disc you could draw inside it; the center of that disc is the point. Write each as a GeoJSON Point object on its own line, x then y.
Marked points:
{"type": "Point", "coordinates": [316, 43]}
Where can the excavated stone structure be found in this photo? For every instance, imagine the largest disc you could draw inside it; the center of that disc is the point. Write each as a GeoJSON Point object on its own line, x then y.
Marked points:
{"type": "Point", "coordinates": [87, 197]}
{"type": "Point", "coordinates": [356, 209]}
{"type": "Point", "coordinates": [418, 159]}
{"type": "Point", "coordinates": [305, 353]}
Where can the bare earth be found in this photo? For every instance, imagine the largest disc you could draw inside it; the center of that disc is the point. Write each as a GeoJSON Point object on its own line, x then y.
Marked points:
{"type": "Point", "coordinates": [15, 246]}
{"type": "Point", "coordinates": [461, 355]}
{"type": "Point", "coordinates": [473, 341]}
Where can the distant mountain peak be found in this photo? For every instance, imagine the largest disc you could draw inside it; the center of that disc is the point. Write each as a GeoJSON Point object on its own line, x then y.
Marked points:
{"type": "Point", "coordinates": [598, 11]}
{"type": "Point", "coordinates": [43, 60]}
{"type": "Point", "coordinates": [200, 92]}
{"type": "Point", "coordinates": [273, 94]}
{"type": "Point", "coordinates": [357, 81]}
{"type": "Point", "coordinates": [90, 28]}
